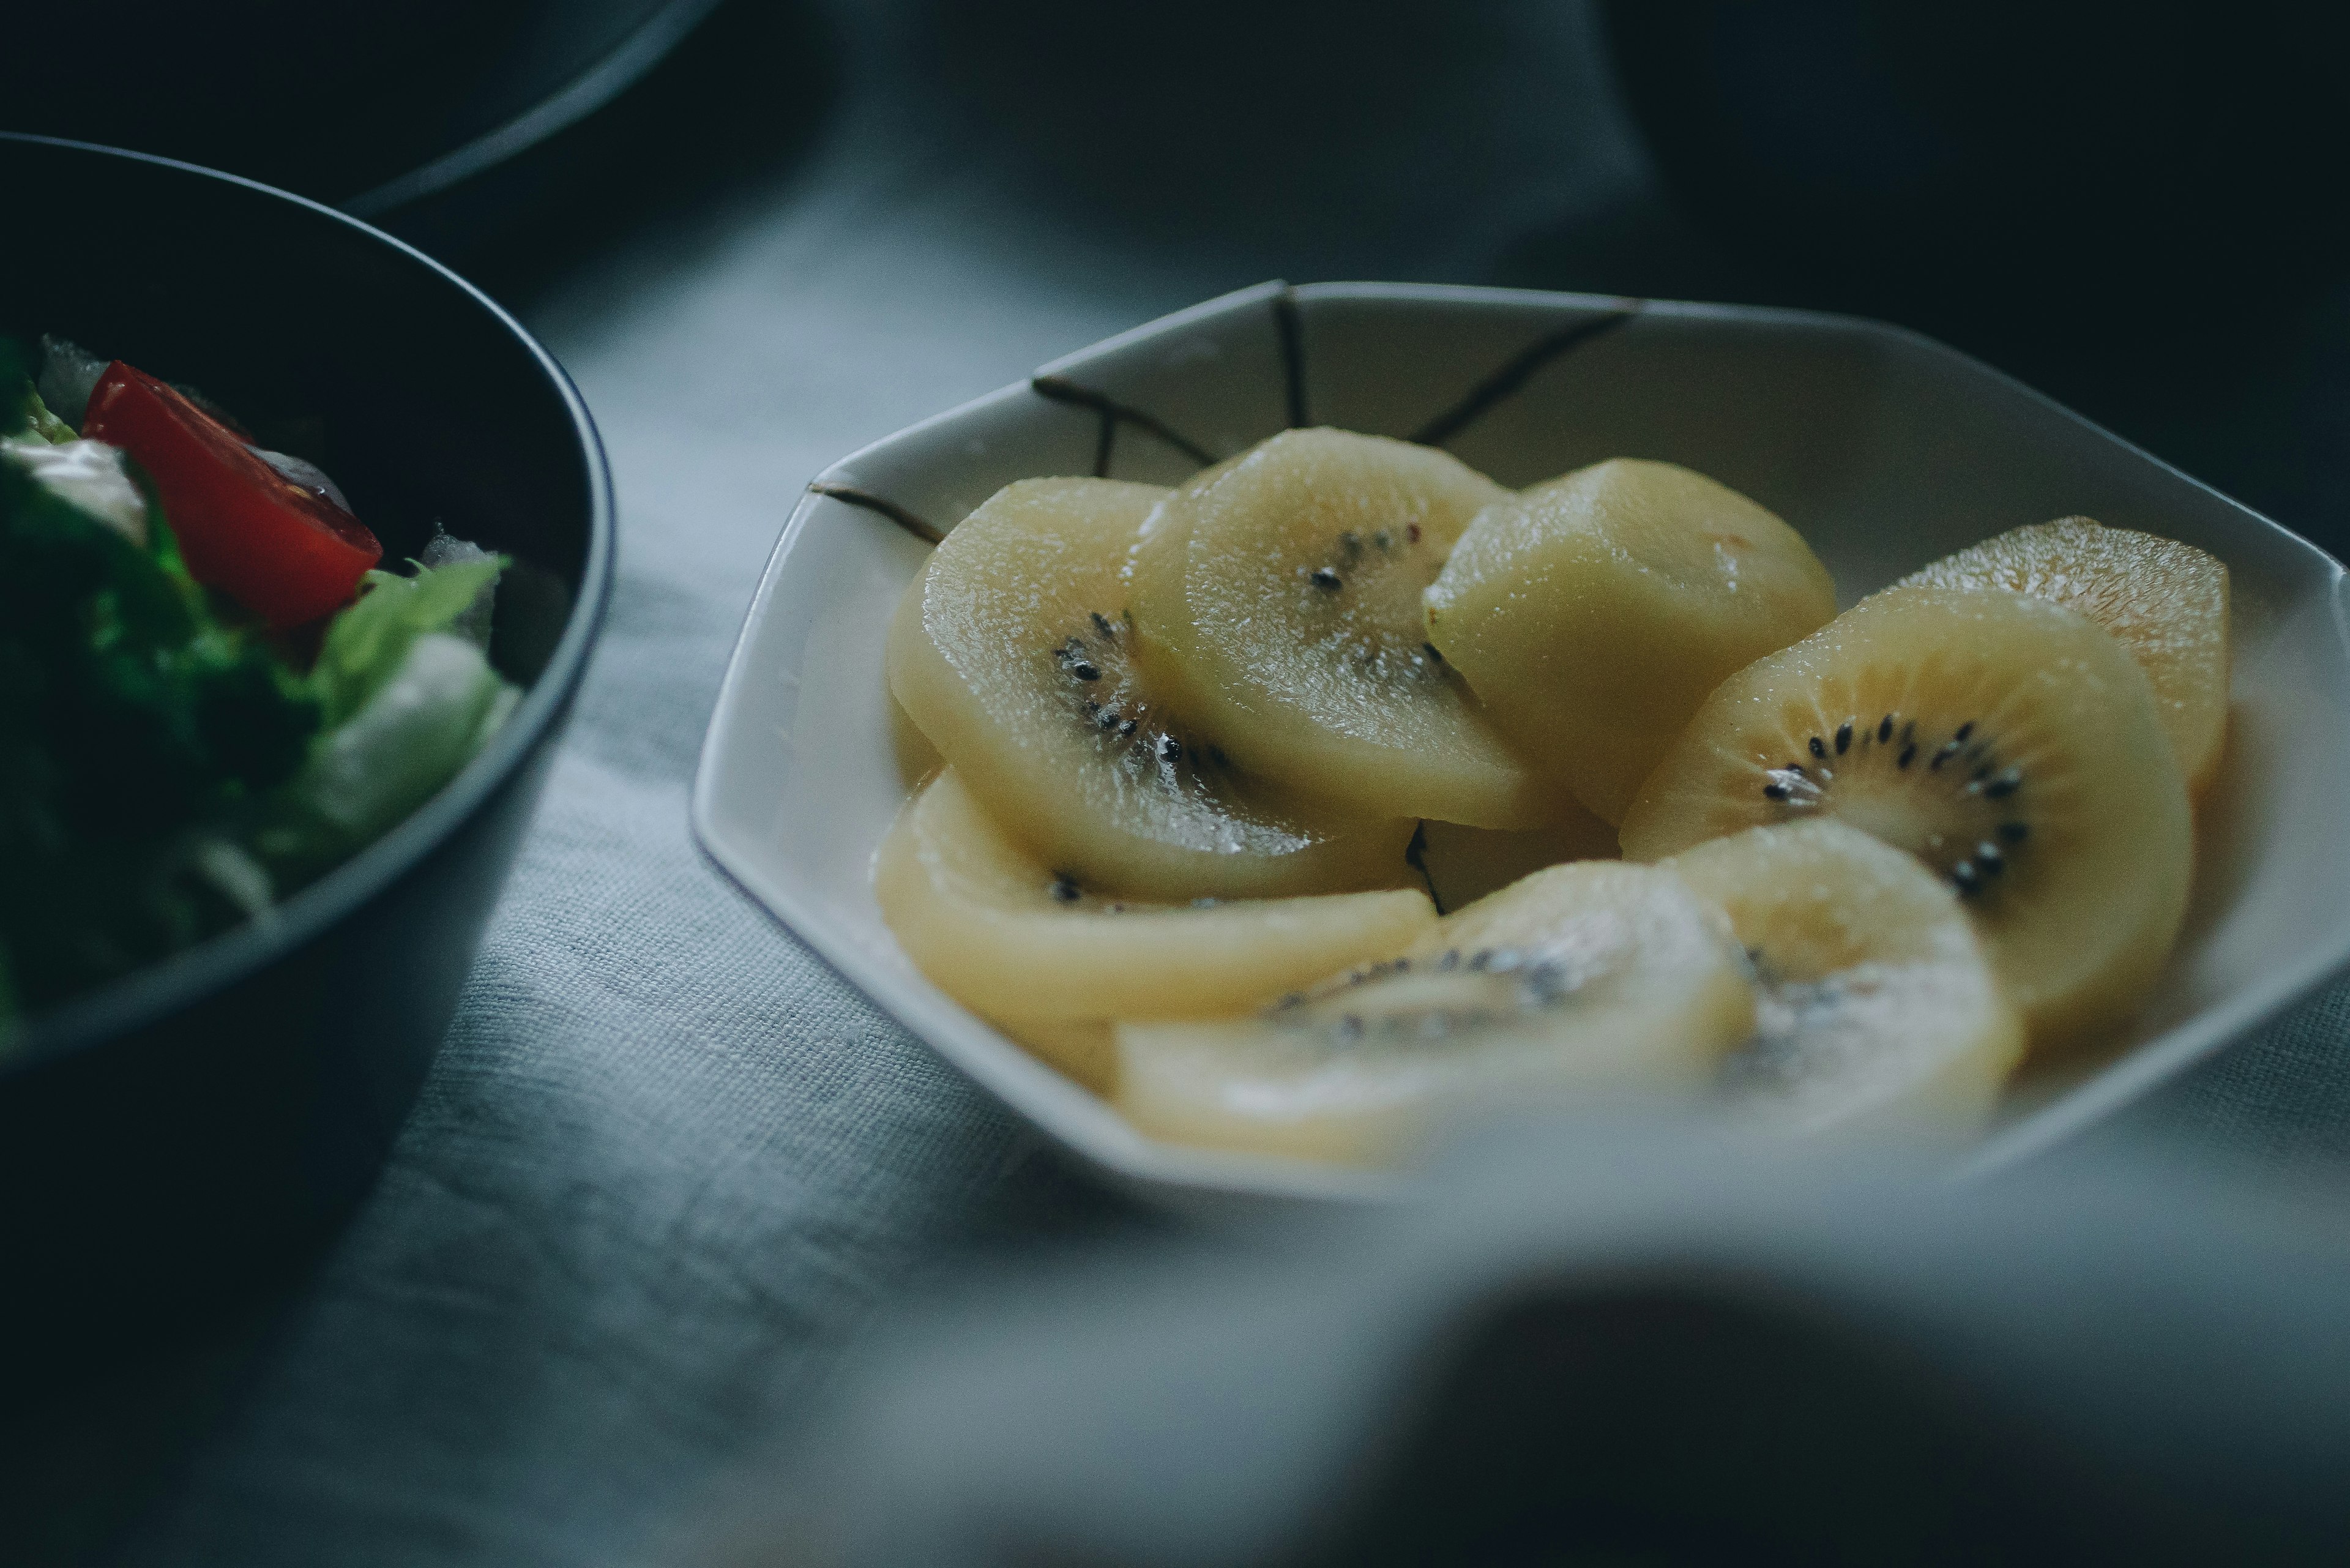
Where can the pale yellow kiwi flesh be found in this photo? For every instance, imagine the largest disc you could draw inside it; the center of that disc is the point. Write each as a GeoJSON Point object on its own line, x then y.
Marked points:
{"type": "Point", "coordinates": [2167, 602]}
{"type": "Point", "coordinates": [1003, 934]}
{"type": "Point", "coordinates": [1084, 1051]}
{"type": "Point", "coordinates": [1878, 1011]}
{"type": "Point", "coordinates": [1013, 653]}
{"type": "Point", "coordinates": [1592, 978]}
{"type": "Point", "coordinates": [1591, 615]}
{"type": "Point", "coordinates": [1278, 599]}
{"type": "Point", "coordinates": [2010, 745]}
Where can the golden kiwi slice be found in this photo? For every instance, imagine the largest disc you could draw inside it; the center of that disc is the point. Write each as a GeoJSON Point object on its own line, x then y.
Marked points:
{"type": "Point", "coordinates": [1591, 615]}
{"type": "Point", "coordinates": [1013, 653]}
{"type": "Point", "coordinates": [2168, 603]}
{"type": "Point", "coordinates": [1876, 1006]}
{"type": "Point", "coordinates": [1018, 942]}
{"type": "Point", "coordinates": [1597, 976]}
{"type": "Point", "coordinates": [2007, 742]}
{"type": "Point", "coordinates": [1278, 599]}
{"type": "Point", "coordinates": [1083, 1051]}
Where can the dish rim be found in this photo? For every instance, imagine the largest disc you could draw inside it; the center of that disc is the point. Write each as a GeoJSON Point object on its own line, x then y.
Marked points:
{"type": "Point", "coordinates": [159, 988]}
{"type": "Point", "coordinates": [1182, 1173]}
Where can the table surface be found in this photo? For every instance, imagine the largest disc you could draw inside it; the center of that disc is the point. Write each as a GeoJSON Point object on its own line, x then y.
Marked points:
{"type": "Point", "coordinates": [668, 1165]}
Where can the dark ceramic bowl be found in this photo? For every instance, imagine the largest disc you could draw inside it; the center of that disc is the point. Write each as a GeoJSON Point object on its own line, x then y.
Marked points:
{"type": "Point", "coordinates": [178, 1130]}
{"type": "Point", "coordinates": [472, 128]}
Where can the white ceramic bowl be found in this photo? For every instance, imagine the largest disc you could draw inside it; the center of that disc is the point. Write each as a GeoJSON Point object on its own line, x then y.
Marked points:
{"type": "Point", "coordinates": [1886, 448]}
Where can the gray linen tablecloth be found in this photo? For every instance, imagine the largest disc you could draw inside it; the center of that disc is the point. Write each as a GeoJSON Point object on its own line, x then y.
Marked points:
{"type": "Point", "coordinates": [668, 1163]}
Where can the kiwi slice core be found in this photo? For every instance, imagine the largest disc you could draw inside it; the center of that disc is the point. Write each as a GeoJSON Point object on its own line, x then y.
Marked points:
{"type": "Point", "coordinates": [1592, 614]}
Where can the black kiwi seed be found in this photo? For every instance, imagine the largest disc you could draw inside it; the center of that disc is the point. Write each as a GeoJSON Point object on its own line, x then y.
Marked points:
{"type": "Point", "coordinates": [1450, 960]}
{"type": "Point", "coordinates": [1126, 731]}
{"type": "Point", "coordinates": [1323, 578]}
{"type": "Point", "coordinates": [1800, 787]}
{"type": "Point", "coordinates": [1170, 748]}
{"type": "Point", "coordinates": [1216, 755]}
{"type": "Point", "coordinates": [1084, 671]}
{"type": "Point", "coordinates": [1107, 718]}
{"type": "Point", "coordinates": [1065, 891]}
{"type": "Point", "coordinates": [1102, 625]}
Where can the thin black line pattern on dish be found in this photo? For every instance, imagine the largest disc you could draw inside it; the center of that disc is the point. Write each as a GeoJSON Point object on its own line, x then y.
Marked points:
{"type": "Point", "coordinates": [1480, 401]}
{"type": "Point", "coordinates": [1113, 413]}
{"type": "Point", "coordinates": [853, 496]}
{"type": "Point", "coordinates": [1290, 324]}
{"type": "Point", "coordinates": [1514, 373]}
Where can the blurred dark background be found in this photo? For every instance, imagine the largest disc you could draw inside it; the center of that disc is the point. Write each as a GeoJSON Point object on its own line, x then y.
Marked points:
{"type": "Point", "coordinates": [667, 1164]}
{"type": "Point", "coordinates": [2137, 208]}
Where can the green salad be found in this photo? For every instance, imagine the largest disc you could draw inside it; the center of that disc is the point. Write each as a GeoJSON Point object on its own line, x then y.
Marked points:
{"type": "Point", "coordinates": [210, 692]}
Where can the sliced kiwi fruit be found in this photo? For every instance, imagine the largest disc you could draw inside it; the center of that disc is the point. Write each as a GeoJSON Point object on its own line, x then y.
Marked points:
{"type": "Point", "coordinates": [1021, 943]}
{"type": "Point", "coordinates": [2167, 602]}
{"type": "Point", "coordinates": [1083, 1051]}
{"type": "Point", "coordinates": [1591, 615]}
{"type": "Point", "coordinates": [1014, 652]}
{"type": "Point", "coordinates": [1278, 596]}
{"type": "Point", "coordinates": [1597, 976]}
{"type": "Point", "coordinates": [2008, 744]}
{"type": "Point", "coordinates": [1876, 1008]}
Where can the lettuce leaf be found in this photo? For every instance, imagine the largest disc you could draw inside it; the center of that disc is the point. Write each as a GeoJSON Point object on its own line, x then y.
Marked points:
{"type": "Point", "coordinates": [407, 699]}
{"type": "Point", "coordinates": [368, 642]}
{"type": "Point", "coordinates": [417, 728]}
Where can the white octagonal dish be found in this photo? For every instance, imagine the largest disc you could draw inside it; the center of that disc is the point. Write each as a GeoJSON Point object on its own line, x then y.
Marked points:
{"type": "Point", "coordinates": [1887, 450]}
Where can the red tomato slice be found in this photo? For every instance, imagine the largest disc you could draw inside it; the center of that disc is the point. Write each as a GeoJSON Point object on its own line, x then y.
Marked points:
{"type": "Point", "coordinates": [282, 551]}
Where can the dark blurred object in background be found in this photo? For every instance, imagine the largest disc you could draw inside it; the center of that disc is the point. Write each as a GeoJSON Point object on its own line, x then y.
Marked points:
{"type": "Point", "coordinates": [1625, 1345]}
{"type": "Point", "coordinates": [2077, 166]}
{"type": "Point", "coordinates": [458, 124]}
